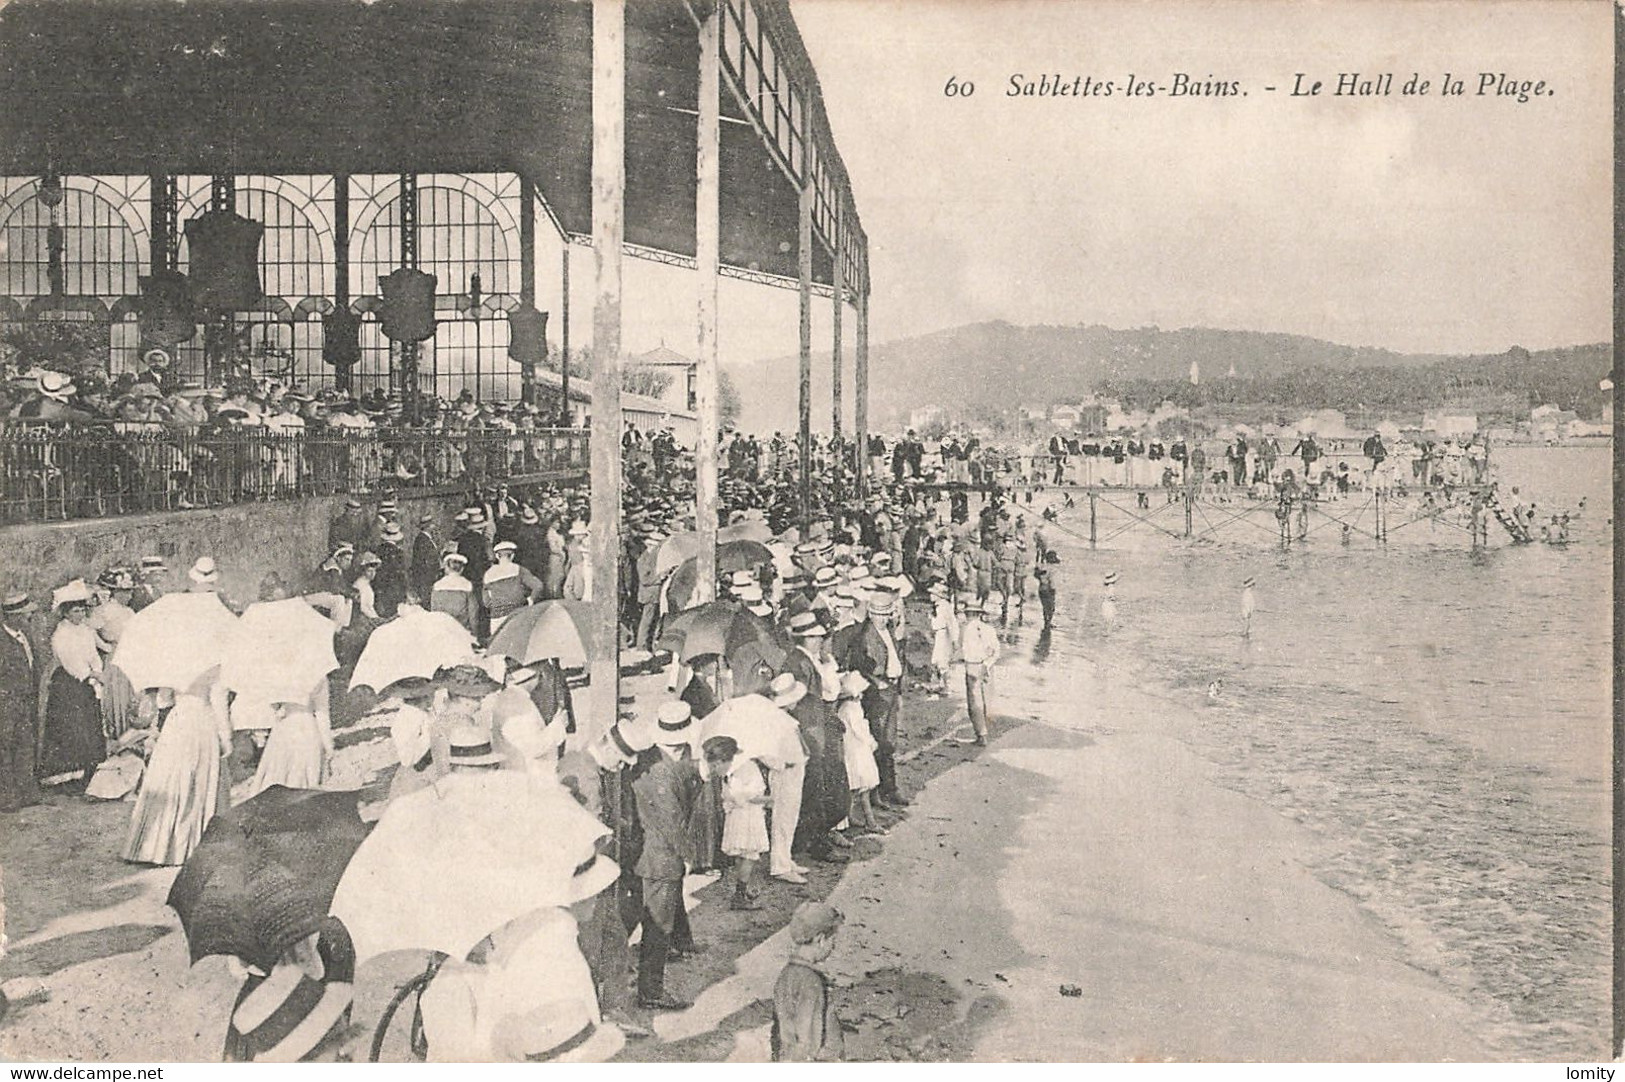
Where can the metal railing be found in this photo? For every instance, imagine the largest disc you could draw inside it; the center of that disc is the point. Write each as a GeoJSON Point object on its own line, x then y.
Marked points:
{"type": "Point", "coordinates": [56, 472]}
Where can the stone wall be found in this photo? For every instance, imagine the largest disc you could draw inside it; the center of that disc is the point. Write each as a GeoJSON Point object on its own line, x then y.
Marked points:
{"type": "Point", "coordinates": [247, 541]}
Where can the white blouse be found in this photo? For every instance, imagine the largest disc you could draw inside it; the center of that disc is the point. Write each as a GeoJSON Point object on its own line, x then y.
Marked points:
{"type": "Point", "coordinates": [75, 648]}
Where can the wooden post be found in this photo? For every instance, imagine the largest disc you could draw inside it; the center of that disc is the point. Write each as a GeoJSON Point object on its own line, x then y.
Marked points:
{"type": "Point", "coordinates": [805, 262]}
{"type": "Point", "coordinates": [860, 419]}
{"type": "Point", "coordinates": [1091, 518]}
{"type": "Point", "coordinates": [608, 230]}
{"type": "Point", "coordinates": [707, 256]}
{"type": "Point", "coordinates": [1190, 499]}
{"type": "Point", "coordinates": [564, 336]}
{"type": "Point", "coordinates": [839, 282]}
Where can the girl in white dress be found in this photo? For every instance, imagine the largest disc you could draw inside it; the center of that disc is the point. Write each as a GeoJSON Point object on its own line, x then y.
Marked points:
{"type": "Point", "coordinates": [744, 827]}
{"type": "Point", "coordinates": [862, 774]}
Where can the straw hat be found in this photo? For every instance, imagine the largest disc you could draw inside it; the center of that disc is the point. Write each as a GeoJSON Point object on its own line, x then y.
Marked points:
{"type": "Point", "coordinates": [825, 578]}
{"type": "Point", "coordinates": [578, 529]}
{"type": "Point", "coordinates": [204, 571]}
{"type": "Point", "coordinates": [804, 625]}
{"type": "Point", "coordinates": [786, 690]}
{"type": "Point", "coordinates": [76, 592]}
{"type": "Point", "coordinates": [673, 721]}
{"type": "Point", "coordinates": [56, 385]}
{"type": "Point", "coordinates": [16, 603]}
{"type": "Point", "coordinates": [471, 746]}
{"type": "Point", "coordinates": [882, 604]}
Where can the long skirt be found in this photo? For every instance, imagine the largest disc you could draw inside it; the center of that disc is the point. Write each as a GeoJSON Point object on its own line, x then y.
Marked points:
{"type": "Point", "coordinates": [293, 754]}
{"type": "Point", "coordinates": [180, 790]}
{"type": "Point", "coordinates": [118, 701]}
{"type": "Point", "coordinates": [825, 795]}
{"type": "Point", "coordinates": [706, 826]}
{"type": "Point", "coordinates": [73, 728]}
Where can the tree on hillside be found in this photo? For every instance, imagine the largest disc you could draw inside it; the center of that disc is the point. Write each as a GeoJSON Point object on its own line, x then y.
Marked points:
{"type": "Point", "coordinates": [652, 382]}
{"type": "Point", "coordinates": [729, 405]}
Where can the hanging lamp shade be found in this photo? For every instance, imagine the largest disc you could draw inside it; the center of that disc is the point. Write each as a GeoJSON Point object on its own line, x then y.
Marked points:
{"type": "Point", "coordinates": [225, 269]}
{"type": "Point", "coordinates": [407, 311]}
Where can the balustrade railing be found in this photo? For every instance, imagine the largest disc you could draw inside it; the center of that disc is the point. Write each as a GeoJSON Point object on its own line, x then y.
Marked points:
{"type": "Point", "coordinates": [55, 472]}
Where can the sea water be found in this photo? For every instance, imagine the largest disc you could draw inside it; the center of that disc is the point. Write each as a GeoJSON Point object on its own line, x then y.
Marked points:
{"type": "Point", "coordinates": [1438, 717]}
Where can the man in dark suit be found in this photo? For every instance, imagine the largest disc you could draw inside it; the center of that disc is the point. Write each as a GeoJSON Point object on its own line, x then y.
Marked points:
{"type": "Point", "coordinates": [825, 797]}
{"type": "Point", "coordinates": [476, 549]}
{"type": "Point", "coordinates": [389, 586]}
{"type": "Point", "coordinates": [531, 537]}
{"type": "Point", "coordinates": [425, 560]}
{"type": "Point", "coordinates": [879, 657]}
{"type": "Point", "coordinates": [665, 794]}
{"type": "Point", "coordinates": [19, 689]}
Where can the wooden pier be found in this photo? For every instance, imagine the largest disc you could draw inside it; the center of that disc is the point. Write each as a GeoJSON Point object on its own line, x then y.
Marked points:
{"type": "Point", "coordinates": [1203, 511]}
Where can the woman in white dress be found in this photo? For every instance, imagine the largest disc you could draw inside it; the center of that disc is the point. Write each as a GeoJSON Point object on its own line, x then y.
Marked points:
{"type": "Point", "coordinates": [301, 740]}
{"type": "Point", "coordinates": [181, 786]}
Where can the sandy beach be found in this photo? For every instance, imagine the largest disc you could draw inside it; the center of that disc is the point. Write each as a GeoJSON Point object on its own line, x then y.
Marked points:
{"type": "Point", "coordinates": [1059, 895]}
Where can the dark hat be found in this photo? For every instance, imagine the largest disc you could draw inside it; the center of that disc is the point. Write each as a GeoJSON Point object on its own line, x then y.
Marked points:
{"type": "Point", "coordinates": [467, 680]}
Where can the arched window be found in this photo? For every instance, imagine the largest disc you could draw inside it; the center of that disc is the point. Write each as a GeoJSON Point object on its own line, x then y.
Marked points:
{"type": "Point", "coordinates": [466, 224]}
{"type": "Point", "coordinates": [104, 238]}
{"type": "Point", "coordinates": [296, 261]}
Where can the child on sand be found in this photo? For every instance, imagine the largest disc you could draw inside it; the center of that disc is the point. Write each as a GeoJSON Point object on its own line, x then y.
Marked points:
{"type": "Point", "coordinates": [744, 830]}
{"type": "Point", "coordinates": [862, 774]}
{"type": "Point", "coordinates": [805, 1027]}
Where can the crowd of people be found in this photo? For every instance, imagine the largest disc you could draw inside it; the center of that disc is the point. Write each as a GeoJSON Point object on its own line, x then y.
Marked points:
{"type": "Point", "coordinates": [144, 441]}
{"type": "Point", "coordinates": [770, 752]}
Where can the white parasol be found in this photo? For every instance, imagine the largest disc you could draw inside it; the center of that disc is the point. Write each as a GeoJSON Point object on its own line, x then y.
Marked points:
{"type": "Point", "coordinates": [449, 864]}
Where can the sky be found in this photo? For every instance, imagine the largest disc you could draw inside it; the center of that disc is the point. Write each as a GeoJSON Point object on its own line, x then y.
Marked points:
{"type": "Point", "coordinates": [1417, 223]}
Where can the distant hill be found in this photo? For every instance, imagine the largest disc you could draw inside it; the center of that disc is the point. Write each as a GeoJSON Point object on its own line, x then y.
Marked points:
{"type": "Point", "coordinates": [985, 369]}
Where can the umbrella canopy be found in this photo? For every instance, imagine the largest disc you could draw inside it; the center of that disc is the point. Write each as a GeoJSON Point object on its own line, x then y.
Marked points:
{"type": "Point", "coordinates": [415, 643]}
{"type": "Point", "coordinates": [748, 530]}
{"type": "Point", "coordinates": [742, 556]}
{"type": "Point", "coordinates": [557, 630]}
{"type": "Point", "coordinates": [278, 652]}
{"type": "Point", "coordinates": [451, 863]}
{"type": "Point", "coordinates": [762, 730]}
{"type": "Point", "coordinates": [717, 627]}
{"type": "Point", "coordinates": [681, 587]}
{"type": "Point", "coordinates": [174, 641]}
{"type": "Point", "coordinates": [263, 875]}
{"type": "Point", "coordinates": [676, 549]}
